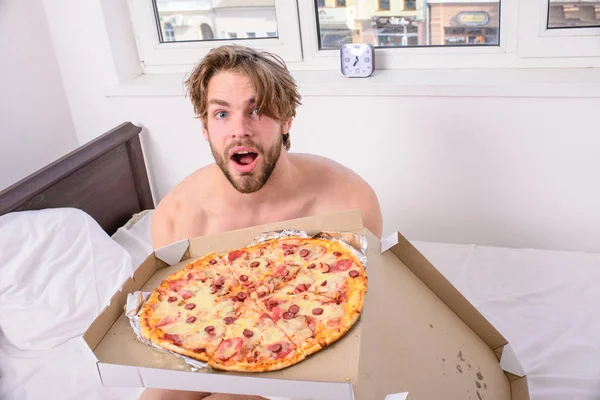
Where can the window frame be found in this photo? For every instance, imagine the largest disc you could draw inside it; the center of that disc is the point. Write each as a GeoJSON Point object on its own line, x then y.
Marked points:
{"type": "Point", "coordinates": [154, 54]}
{"type": "Point", "coordinates": [425, 57]}
{"type": "Point", "coordinates": [536, 40]}
{"type": "Point", "coordinates": [525, 42]}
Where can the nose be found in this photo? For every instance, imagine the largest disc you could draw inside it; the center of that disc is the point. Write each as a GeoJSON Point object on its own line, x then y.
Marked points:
{"type": "Point", "coordinates": [240, 126]}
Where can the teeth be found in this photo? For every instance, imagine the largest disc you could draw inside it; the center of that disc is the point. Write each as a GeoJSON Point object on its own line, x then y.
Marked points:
{"type": "Point", "coordinates": [243, 152]}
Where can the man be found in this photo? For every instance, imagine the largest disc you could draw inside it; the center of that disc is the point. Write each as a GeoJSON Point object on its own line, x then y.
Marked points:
{"type": "Point", "coordinates": [246, 101]}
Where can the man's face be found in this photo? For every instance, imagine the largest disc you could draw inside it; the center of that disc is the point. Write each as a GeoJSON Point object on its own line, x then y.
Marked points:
{"type": "Point", "coordinates": [245, 144]}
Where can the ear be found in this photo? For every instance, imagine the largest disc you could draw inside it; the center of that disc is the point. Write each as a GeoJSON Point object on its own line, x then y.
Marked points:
{"type": "Point", "coordinates": [286, 126]}
{"type": "Point", "coordinates": [204, 130]}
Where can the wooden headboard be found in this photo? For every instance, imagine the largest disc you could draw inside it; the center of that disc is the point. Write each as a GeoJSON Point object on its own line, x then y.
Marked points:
{"type": "Point", "coordinates": [106, 178]}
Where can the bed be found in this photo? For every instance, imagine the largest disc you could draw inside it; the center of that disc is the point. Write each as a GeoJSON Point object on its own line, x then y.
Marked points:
{"type": "Point", "coordinates": [106, 179]}
{"type": "Point", "coordinates": [544, 302]}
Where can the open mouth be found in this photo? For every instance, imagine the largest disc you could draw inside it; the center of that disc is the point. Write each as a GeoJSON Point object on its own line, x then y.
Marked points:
{"type": "Point", "coordinates": [244, 157]}
{"type": "Point", "coordinates": [244, 160]}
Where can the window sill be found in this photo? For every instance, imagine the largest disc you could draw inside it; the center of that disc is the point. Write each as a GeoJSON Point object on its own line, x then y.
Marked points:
{"type": "Point", "coordinates": [556, 82]}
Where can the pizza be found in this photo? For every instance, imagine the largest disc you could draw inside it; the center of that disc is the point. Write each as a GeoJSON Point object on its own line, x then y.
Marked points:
{"type": "Point", "coordinates": [258, 308]}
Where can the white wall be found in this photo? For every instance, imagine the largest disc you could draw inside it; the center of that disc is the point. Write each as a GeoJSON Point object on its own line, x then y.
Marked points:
{"type": "Point", "coordinates": [518, 172]}
{"type": "Point", "coordinates": [35, 120]}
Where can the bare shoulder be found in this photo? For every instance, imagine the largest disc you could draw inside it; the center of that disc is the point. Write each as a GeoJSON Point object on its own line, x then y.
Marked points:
{"type": "Point", "coordinates": [180, 214]}
{"type": "Point", "coordinates": [345, 188]}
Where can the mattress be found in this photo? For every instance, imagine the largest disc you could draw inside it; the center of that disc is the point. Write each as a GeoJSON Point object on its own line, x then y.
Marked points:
{"type": "Point", "coordinates": [544, 302]}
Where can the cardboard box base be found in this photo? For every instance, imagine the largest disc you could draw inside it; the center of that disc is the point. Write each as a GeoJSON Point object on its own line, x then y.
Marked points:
{"type": "Point", "coordinates": [416, 334]}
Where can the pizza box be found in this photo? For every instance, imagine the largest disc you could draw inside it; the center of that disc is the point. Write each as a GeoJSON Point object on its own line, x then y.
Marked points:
{"type": "Point", "coordinates": [417, 337]}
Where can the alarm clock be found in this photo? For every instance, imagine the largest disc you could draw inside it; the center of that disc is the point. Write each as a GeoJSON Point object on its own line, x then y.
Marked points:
{"type": "Point", "coordinates": [357, 60]}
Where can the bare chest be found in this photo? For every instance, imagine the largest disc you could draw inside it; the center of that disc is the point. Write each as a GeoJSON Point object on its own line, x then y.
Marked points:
{"type": "Point", "coordinates": [233, 219]}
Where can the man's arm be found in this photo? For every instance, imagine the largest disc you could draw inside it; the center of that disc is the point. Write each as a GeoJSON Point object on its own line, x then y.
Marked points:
{"type": "Point", "coordinates": [163, 225]}
{"type": "Point", "coordinates": [367, 201]}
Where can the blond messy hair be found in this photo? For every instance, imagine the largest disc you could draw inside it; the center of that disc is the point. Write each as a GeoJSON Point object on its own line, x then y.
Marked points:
{"type": "Point", "coordinates": [276, 92]}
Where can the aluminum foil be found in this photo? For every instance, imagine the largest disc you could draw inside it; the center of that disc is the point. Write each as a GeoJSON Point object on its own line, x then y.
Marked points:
{"type": "Point", "coordinates": [278, 234]}
{"type": "Point", "coordinates": [135, 301]}
{"type": "Point", "coordinates": [357, 244]}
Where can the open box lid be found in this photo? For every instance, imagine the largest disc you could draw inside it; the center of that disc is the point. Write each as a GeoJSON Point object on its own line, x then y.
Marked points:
{"type": "Point", "coordinates": [417, 333]}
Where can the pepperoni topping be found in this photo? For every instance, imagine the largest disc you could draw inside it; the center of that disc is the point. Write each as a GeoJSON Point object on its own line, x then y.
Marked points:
{"type": "Point", "coordinates": [209, 329]}
{"type": "Point", "coordinates": [343, 265]}
{"type": "Point", "coordinates": [190, 276]}
{"type": "Point", "coordinates": [324, 283]}
{"type": "Point", "coordinates": [234, 255]}
{"type": "Point", "coordinates": [254, 264]}
{"type": "Point", "coordinates": [337, 254]}
{"type": "Point", "coordinates": [228, 320]}
{"type": "Point", "coordinates": [172, 299]}
{"type": "Point", "coordinates": [186, 296]}
{"type": "Point", "coordinates": [214, 289]}
{"type": "Point", "coordinates": [262, 294]}
{"type": "Point", "coordinates": [311, 266]}
{"type": "Point", "coordinates": [241, 296]}
{"type": "Point", "coordinates": [248, 333]}
{"type": "Point", "coordinates": [304, 253]}
{"type": "Point", "coordinates": [199, 350]}
{"type": "Point", "coordinates": [288, 315]}
{"type": "Point", "coordinates": [176, 339]}
{"type": "Point", "coordinates": [212, 261]}
{"type": "Point", "coordinates": [191, 320]}
{"type": "Point", "coordinates": [190, 306]}
{"type": "Point", "coordinates": [243, 278]}
{"type": "Point", "coordinates": [317, 311]}
{"type": "Point", "coordinates": [276, 314]}
{"type": "Point", "coordinates": [325, 268]}
{"type": "Point", "coordinates": [275, 348]}
{"type": "Point", "coordinates": [301, 288]}
{"type": "Point", "coordinates": [354, 273]}
{"type": "Point", "coordinates": [250, 359]}
{"type": "Point", "coordinates": [294, 309]}
{"type": "Point", "coordinates": [220, 282]}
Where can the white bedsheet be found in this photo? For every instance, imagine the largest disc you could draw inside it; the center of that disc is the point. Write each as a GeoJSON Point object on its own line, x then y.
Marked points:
{"type": "Point", "coordinates": [546, 303]}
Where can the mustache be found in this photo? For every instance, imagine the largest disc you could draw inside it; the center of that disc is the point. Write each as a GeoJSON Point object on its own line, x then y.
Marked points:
{"type": "Point", "coordinates": [244, 143]}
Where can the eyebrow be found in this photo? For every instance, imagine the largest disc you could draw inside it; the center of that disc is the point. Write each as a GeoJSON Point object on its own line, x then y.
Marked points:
{"type": "Point", "coordinates": [223, 103]}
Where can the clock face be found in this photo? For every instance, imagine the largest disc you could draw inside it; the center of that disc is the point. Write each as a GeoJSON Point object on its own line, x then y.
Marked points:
{"type": "Point", "coordinates": [357, 60]}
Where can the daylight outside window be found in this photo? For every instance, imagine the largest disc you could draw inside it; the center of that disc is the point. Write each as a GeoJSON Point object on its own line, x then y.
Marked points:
{"type": "Point", "coordinates": [573, 13]}
{"type": "Point", "coordinates": [201, 20]}
{"type": "Point", "coordinates": [408, 23]}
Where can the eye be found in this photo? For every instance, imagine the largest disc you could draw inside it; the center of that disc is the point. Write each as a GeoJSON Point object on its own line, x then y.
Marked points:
{"type": "Point", "coordinates": [254, 111]}
{"type": "Point", "coordinates": [221, 114]}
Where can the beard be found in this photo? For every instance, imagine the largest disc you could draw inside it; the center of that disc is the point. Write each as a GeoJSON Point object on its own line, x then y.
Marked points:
{"type": "Point", "coordinates": [253, 181]}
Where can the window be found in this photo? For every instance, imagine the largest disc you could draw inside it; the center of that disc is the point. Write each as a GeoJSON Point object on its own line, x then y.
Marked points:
{"type": "Point", "coordinates": [412, 24]}
{"type": "Point", "coordinates": [222, 17]}
{"type": "Point", "coordinates": [169, 32]}
{"type": "Point", "coordinates": [172, 35]}
{"type": "Point", "coordinates": [410, 5]}
{"type": "Point", "coordinates": [573, 14]}
{"type": "Point", "coordinates": [178, 32]}
{"type": "Point", "coordinates": [560, 29]}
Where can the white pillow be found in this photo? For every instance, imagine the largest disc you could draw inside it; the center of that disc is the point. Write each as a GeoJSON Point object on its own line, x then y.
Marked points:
{"type": "Point", "coordinates": [58, 270]}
